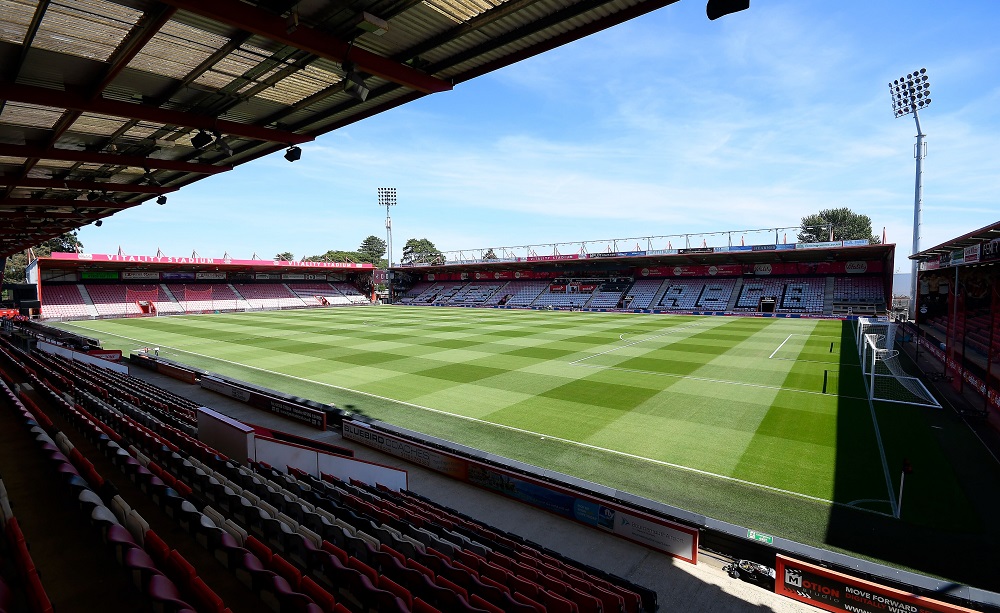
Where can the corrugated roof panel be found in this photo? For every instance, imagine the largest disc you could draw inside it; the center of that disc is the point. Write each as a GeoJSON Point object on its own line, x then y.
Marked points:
{"type": "Point", "coordinates": [176, 50]}
{"type": "Point", "coordinates": [16, 18]}
{"type": "Point", "coordinates": [234, 65]}
{"type": "Point", "coordinates": [87, 28]}
{"type": "Point", "coordinates": [300, 85]}
{"type": "Point", "coordinates": [89, 123]}
{"type": "Point", "coordinates": [30, 115]}
{"type": "Point", "coordinates": [141, 130]}
{"type": "Point", "coordinates": [56, 163]}
{"type": "Point", "coordinates": [462, 10]}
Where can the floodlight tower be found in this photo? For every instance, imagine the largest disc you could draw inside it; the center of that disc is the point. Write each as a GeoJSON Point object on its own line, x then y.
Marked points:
{"type": "Point", "coordinates": [387, 198]}
{"type": "Point", "coordinates": [910, 93]}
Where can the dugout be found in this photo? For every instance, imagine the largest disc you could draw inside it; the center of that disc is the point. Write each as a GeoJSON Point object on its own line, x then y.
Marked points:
{"type": "Point", "coordinates": [958, 311]}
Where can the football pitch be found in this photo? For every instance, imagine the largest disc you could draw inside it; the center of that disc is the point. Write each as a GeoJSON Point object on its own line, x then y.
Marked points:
{"type": "Point", "coordinates": [763, 422]}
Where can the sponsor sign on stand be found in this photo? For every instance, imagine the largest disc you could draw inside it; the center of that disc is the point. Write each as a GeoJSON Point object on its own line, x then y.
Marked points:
{"type": "Point", "coordinates": [957, 257]}
{"type": "Point", "coordinates": [833, 591]}
{"type": "Point", "coordinates": [990, 250]}
{"type": "Point", "coordinates": [217, 276]}
{"type": "Point", "coordinates": [762, 269]}
{"type": "Point", "coordinates": [856, 267]}
{"type": "Point", "coordinates": [150, 259]}
{"type": "Point", "coordinates": [177, 276]}
{"type": "Point", "coordinates": [411, 452]}
{"type": "Point", "coordinates": [763, 247]}
{"type": "Point", "coordinates": [825, 245]}
{"type": "Point", "coordinates": [696, 250]}
{"type": "Point", "coordinates": [857, 242]}
{"type": "Point", "coordinates": [972, 254]}
{"type": "Point", "coordinates": [140, 274]}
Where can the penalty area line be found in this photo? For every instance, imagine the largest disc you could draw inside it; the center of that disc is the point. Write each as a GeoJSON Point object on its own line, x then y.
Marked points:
{"type": "Point", "coordinates": [505, 427]}
{"type": "Point", "coordinates": [780, 346]}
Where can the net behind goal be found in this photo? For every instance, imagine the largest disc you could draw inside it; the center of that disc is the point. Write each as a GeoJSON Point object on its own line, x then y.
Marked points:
{"type": "Point", "coordinates": [884, 375]}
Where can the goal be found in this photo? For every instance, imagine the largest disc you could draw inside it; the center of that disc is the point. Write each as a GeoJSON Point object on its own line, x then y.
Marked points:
{"type": "Point", "coordinates": [884, 375]}
{"type": "Point", "coordinates": [198, 299]}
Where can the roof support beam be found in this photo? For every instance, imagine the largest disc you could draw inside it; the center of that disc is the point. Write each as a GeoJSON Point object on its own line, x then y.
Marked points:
{"type": "Point", "coordinates": [91, 157]}
{"type": "Point", "coordinates": [86, 185]}
{"type": "Point", "coordinates": [245, 17]}
{"type": "Point", "coordinates": [43, 96]}
{"type": "Point", "coordinates": [8, 204]}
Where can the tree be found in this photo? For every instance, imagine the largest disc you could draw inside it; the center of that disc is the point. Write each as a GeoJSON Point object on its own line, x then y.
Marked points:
{"type": "Point", "coordinates": [285, 256]}
{"type": "Point", "coordinates": [372, 249]}
{"type": "Point", "coordinates": [421, 251]}
{"type": "Point", "coordinates": [847, 225]}
{"type": "Point", "coordinates": [18, 263]}
{"type": "Point", "coordinates": [335, 255]}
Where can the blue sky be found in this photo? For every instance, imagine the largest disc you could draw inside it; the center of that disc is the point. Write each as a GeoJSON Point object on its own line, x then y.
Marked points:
{"type": "Point", "coordinates": [667, 124]}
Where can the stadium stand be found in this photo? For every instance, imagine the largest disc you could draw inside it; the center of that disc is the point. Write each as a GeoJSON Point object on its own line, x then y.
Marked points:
{"type": "Point", "coordinates": [477, 292]}
{"type": "Point", "coordinates": [792, 294]}
{"type": "Point", "coordinates": [518, 293]}
{"type": "Point", "coordinates": [268, 296]}
{"type": "Point", "coordinates": [412, 293]}
{"type": "Point", "coordinates": [609, 295]}
{"type": "Point", "coordinates": [65, 301]}
{"type": "Point", "coordinates": [351, 293]}
{"type": "Point", "coordinates": [123, 300]}
{"type": "Point", "coordinates": [642, 292]}
{"type": "Point", "coordinates": [197, 298]}
{"type": "Point", "coordinates": [313, 294]}
{"type": "Point", "coordinates": [565, 294]}
{"type": "Point", "coordinates": [858, 295]}
{"type": "Point", "coordinates": [288, 539]}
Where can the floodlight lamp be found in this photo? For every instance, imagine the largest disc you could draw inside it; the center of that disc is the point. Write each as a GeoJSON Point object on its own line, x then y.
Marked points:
{"type": "Point", "coordinates": [354, 83]}
{"type": "Point", "coordinates": [161, 200]}
{"type": "Point", "coordinates": [201, 140]}
{"type": "Point", "coordinates": [293, 154]}
{"type": "Point", "coordinates": [98, 223]}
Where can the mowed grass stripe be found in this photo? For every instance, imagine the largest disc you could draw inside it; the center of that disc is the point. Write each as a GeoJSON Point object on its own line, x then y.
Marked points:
{"type": "Point", "coordinates": [513, 368]}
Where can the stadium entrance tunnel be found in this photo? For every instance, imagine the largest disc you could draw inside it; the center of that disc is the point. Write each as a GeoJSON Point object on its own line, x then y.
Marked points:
{"type": "Point", "coordinates": [862, 519]}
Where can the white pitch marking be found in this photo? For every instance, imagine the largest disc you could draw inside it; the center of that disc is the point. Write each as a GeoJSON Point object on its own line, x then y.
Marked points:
{"type": "Point", "coordinates": [506, 427]}
{"type": "Point", "coordinates": [710, 380]}
{"type": "Point", "coordinates": [780, 346]}
{"type": "Point", "coordinates": [636, 342]}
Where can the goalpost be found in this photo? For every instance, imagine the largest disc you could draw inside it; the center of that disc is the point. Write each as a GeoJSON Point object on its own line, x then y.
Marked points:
{"type": "Point", "coordinates": [198, 299]}
{"type": "Point", "coordinates": [884, 375]}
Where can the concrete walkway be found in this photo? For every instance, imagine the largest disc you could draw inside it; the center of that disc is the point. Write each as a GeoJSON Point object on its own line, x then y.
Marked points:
{"type": "Point", "coordinates": [680, 586]}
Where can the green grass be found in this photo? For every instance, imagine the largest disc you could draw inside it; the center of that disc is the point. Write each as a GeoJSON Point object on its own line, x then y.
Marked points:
{"type": "Point", "coordinates": [759, 421]}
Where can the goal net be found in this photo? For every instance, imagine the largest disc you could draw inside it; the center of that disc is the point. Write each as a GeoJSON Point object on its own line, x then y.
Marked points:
{"type": "Point", "coordinates": [884, 375]}
{"type": "Point", "coordinates": [198, 299]}
{"type": "Point", "coordinates": [141, 300]}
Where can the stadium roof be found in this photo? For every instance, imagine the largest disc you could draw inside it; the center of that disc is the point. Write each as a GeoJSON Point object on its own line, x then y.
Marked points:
{"type": "Point", "coordinates": [976, 237]}
{"type": "Point", "coordinates": [706, 257]}
{"type": "Point", "coordinates": [105, 104]}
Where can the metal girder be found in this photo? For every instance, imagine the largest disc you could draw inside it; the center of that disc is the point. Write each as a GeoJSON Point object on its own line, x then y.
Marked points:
{"type": "Point", "coordinates": [16, 215]}
{"type": "Point", "coordinates": [44, 96]}
{"type": "Point", "coordinates": [244, 17]}
{"type": "Point", "coordinates": [86, 185]}
{"type": "Point", "coordinates": [91, 157]}
{"type": "Point", "coordinates": [8, 204]}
